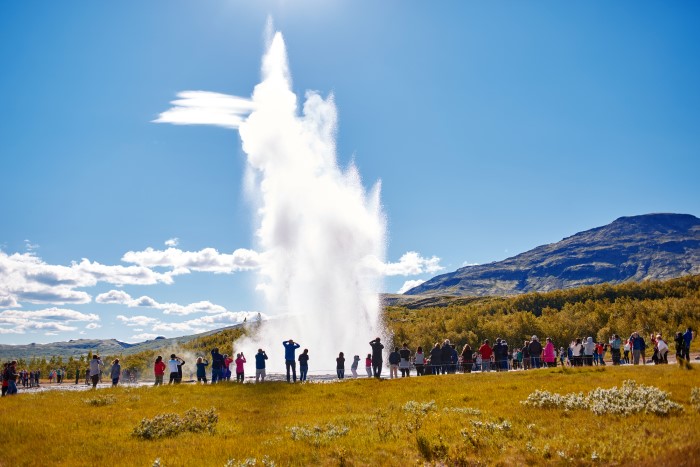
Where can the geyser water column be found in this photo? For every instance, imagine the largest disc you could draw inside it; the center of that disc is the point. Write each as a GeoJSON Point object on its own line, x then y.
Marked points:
{"type": "Point", "coordinates": [320, 233]}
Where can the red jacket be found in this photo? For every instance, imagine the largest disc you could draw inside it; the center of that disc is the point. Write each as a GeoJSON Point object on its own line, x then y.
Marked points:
{"type": "Point", "coordinates": [159, 368]}
{"type": "Point", "coordinates": [485, 352]}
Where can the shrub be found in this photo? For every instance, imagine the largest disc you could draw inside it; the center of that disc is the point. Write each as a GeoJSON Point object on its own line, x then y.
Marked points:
{"type": "Point", "coordinates": [100, 401]}
{"type": "Point", "coordinates": [631, 398]}
{"type": "Point", "coordinates": [170, 424]}
{"type": "Point", "coordinates": [317, 435]}
{"type": "Point", "coordinates": [695, 398]}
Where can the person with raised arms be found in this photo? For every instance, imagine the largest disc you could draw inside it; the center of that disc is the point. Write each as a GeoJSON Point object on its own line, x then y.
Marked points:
{"type": "Point", "coordinates": [289, 359]}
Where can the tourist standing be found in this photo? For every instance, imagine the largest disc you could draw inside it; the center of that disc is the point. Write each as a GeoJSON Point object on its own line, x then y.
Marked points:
{"type": "Point", "coordinates": [174, 367]}
{"type": "Point", "coordinates": [240, 371]}
{"type": "Point", "coordinates": [377, 359]}
{"type": "Point", "coordinates": [304, 365]}
{"type": "Point", "coordinates": [445, 357]}
{"type": "Point", "coordinates": [159, 370]}
{"type": "Point", "coordinates": [340, 365]}
{"type": "Point", "coordinates": [435, 359]}
{"type": "Point", "coordinates": [486, 352]}
{"type": "Point", "coordinates": [662, 347]}
{"type": "Point", "coordinates": [116, 372]}
{"type": "Point", "coordinates": [394, 360]}
{"type": "Point", "coordinates": [535, 352]}
{"type": "Point", "coordinates": [95, 370]}
{"type": "Point", "coordinates": [467, 356]}
{"type": "Point", "coordinates": [260, 358]}
{"type": "Point", "coordinates": [368, 365]}
{"type": "Point", "coordinates": [289, 359]}
{"type": "Point", "coordinates": [550, 353]}
{"type": "Point", "coordinates": [217, 366]}
{"type": "Point", "coordinates": [354, 365]}
{"type": "Point", "coordinates": [615, 344]}
{"type": "Point", "coordinates": [687, 340]}
{"type": "Point", "coordinates": [405, 362]}
{"type": "Point", "coordinates": [419, 361]}
{"type": "Point", "coordinates": [202, 365]}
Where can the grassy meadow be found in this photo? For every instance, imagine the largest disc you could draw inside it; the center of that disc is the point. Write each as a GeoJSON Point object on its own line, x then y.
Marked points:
{"type": "Point", "coordinates": [473, 419]}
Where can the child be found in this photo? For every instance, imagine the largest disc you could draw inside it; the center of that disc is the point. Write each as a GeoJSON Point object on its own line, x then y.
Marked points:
{"type": "Point", "coordinates": [240, 360]}
{"type": "Point", "coordinates": [368, 365]}
{"type": "Point", "coordinates": [353, 367]}
{"type": "Point", "coordinates": [202, 369]}
{"type": "Point", "coordinates": [340, 365]}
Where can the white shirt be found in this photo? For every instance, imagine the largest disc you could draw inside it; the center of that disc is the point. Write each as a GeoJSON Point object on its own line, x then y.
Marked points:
{"type": "Point", "coordinates": [172, 365]}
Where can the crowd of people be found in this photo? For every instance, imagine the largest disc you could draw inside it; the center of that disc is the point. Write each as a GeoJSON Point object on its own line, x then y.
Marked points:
{"type": "Point", "coordinates": [442, 358]}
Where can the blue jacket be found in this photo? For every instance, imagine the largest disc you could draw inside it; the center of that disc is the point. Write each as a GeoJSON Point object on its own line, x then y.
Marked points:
{"type": "Point", "coordinates": [217, 360]}
{"type": "Point", "coordinates": [687, 338]}
{"type": "Point", "coordinates": [289, 350]}
{"type": "Point", "coordinates": [201, 369]}
{"type": "Point", "coordinates": [260, 361]}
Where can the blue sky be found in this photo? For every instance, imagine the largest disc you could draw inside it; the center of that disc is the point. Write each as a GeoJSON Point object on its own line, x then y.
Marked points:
{"type": "Point", "coordinates": [493, 127]}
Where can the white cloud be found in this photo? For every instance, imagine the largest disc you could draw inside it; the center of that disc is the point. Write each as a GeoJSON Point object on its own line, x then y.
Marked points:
{"type": "Point", "coordinates": [114, 296]}
{"type": "Point", "coordinates": [139, 320]}
{"type": "Point", "coordinates": [92, 326]}
{"type": "Point", "coordinates": [207, 108]}
{"type": "Point", "coordinates": [24, 277]}
{"type": "Point", "coordinates": [49, 319]}
{"type": "Point", "coordinates": [467, 263]}
{"type": "Point", "coordinates": [172, 242]}
{"type": "Point", "coordinates": [206, 260]}
{"type": "Point", "coordinates": [123, 298]}
{"type": "Point", "coordinates": [56, 314]}
{"type": "Point", "coordinates": [408, 285]}
{"type": "Point", "coordinates": [410, 264]}
{"type": "Point", "coordinates": [29, 245]}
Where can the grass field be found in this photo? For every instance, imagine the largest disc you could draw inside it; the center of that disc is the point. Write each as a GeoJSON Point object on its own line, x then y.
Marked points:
{"type": "Point", "coordinates": [475, 419]}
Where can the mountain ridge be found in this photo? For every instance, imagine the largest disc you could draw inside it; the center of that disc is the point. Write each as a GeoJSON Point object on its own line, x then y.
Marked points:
{"type": "Point", "coordinates": [631, 248]}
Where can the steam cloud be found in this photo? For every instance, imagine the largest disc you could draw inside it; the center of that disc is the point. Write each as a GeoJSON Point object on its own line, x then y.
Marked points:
{"type": "Point", "coordinates": [320, 234]}
{"type": "Point", "coordinates": [318, 229]}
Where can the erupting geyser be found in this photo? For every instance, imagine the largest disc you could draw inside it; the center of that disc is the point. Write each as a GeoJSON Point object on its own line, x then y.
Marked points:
{"type": "Point", "coordinates": [320, 234]}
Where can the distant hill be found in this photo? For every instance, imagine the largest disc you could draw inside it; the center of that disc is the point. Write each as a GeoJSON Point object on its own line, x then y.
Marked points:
{"type": "Point", "coordinates": [638, 248]}
{"type": "Point", "coordinates": [76, 348]}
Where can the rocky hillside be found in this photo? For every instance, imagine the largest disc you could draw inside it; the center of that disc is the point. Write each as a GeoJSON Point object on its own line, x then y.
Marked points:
{"type": "Point", "coordinates": [652, 246]}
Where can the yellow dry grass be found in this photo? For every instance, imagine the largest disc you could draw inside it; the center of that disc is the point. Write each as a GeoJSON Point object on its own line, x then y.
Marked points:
{"type": "Point", "coordinates": [464, 427]}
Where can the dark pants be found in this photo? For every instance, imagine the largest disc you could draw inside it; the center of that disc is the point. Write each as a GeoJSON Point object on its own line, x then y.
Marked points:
{"type": "Point", "coordinates": [377, 368]}
{"type": "Point", "coordinates": [303, 370]}
{"type": "Point", "coordinates": [216, 375]}
{"type": "Point", "coordinates": [173, 378]}
{"type": "Point", "coordinates": [686, 352]}
{"type": "Point", "coordinates": [341, 373]}
{"type": "Point", "coordinates": [615, 356]}
{"type": "Point", "coordinates": [536, 363]}
{"type": "Point", "coordinates": [291, 364]}
{"type": "Point", "coordinates": [240, 376]}
{"type": "Point", "coordinates": [95, 379]}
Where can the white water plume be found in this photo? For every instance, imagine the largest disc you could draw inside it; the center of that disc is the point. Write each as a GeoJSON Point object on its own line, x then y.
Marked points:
{"type": "Point", "coordinates": [322, 236]}
{"type": "Point", "coordinates": [319, 230]}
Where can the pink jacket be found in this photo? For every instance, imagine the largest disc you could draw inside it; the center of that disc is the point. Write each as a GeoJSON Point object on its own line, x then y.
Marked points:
{"type": "Point", "coordinates": [239, 364]}
{"type": "Point", "coordinates": [550, 355]}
